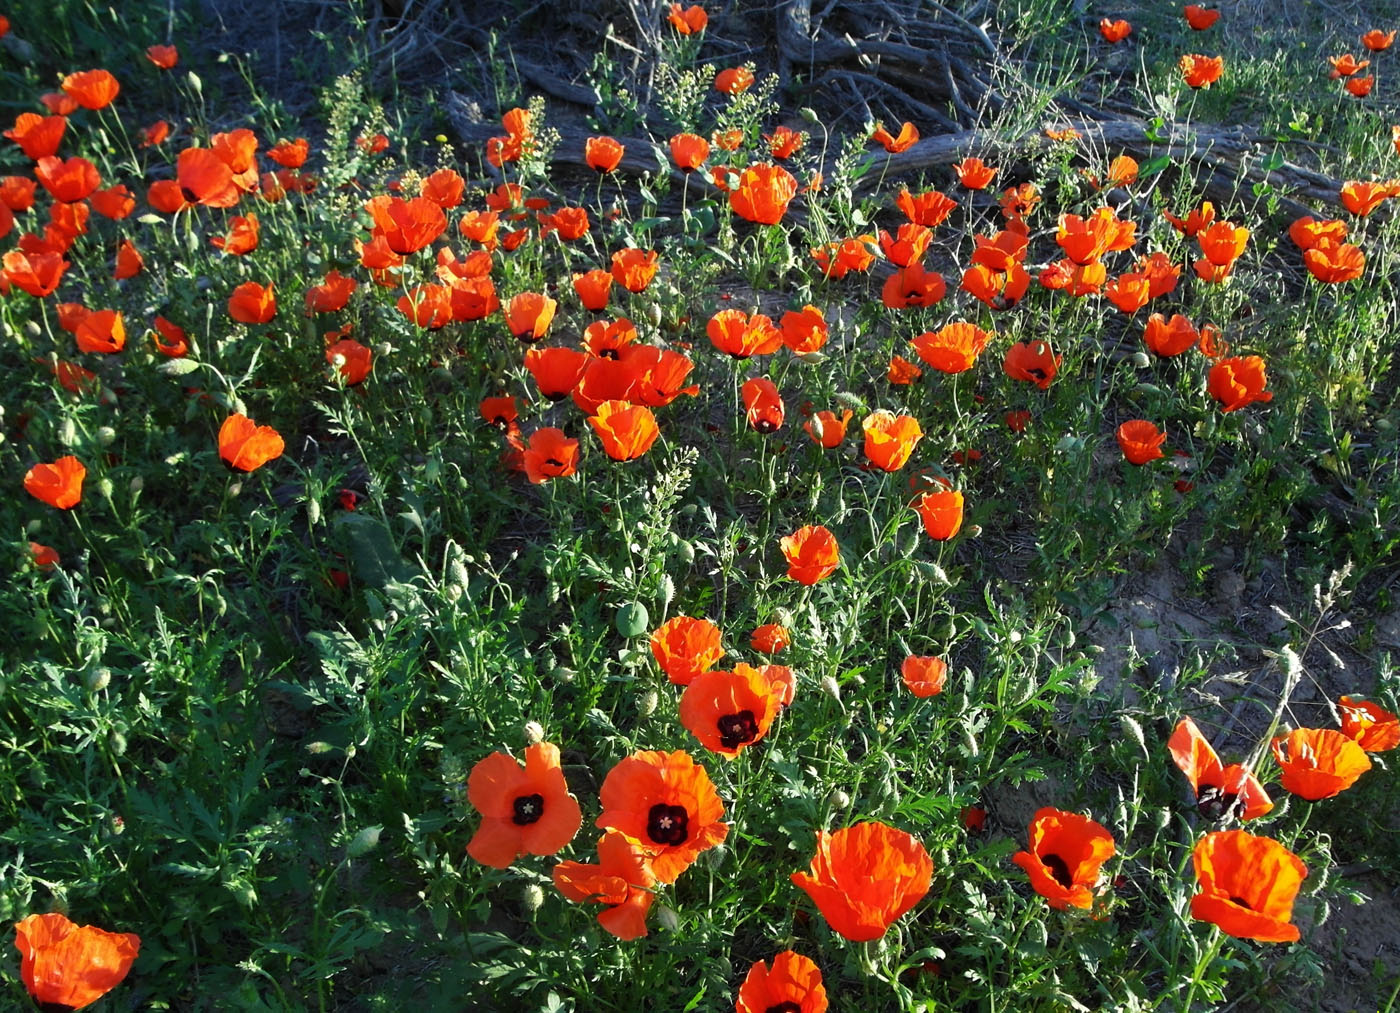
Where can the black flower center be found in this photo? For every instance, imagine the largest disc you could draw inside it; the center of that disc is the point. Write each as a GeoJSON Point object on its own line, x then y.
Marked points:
{"type": "Point", "coordinates": [1059, 869]}
{"type": "Point", "coordinates": [666, 824]}
{"type": "Point", "coordinates": [528, 809]}
{"type": "Point", "coordinates": [766, 426]}
{"type": "Point", "coordinates": [737, 729]}
{"type": "Point", "coordinates": [1216, 804]}
{"type": "Point", "coordinates": [1241, 902]}
{"type": "Point", "coordinates": [608, 353]}
{"type": "Point", "coordinates": [784, 1007]}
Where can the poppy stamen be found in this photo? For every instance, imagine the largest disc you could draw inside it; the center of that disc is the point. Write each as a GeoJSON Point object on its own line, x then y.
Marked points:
{"type": "Point", "coordinates": [1059, 868]}
{"type": "Point", "coordinates": [528, 809]}
{"type": "Point", "coordinates": [736, 730]}
{"type": "Point", "coordinates": [668, 824]}
{"type": "Point", "coordinates": [1234, 899]}
{"type": "Point", "coordinates": [784, 1007]}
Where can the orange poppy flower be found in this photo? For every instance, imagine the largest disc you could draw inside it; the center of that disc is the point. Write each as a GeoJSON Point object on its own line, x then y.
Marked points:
{"type": "Point", "coordinates": [1085, 240]}
{"type": "Point", "coordinates": [954, 348]}
{"type": "Point", "coordinates": [331, 295]}
{"type": "Point", "coordinates": [908, 136]}
{"type": "Point", "coordinates": [91, 89]}
{"type": "Point", "coordinates": [784, 142]}
{"type": "Point", "coordinates": [71, 965]}
{"type": "Point", "coordinates": [908, 245]}
{"type": "Point", "coordinates": [626, 431]}
{"type": "Point", "coordinates": [59, 104]}
{"type": "Point", "coordinates": [593, 289]}
{"type": "Point", "coordinates": [35, 273]}
{"type": "Point", "coordinates": [1141, 441]}
{"type": "Point", "coordinates": [352, 359]}
{"type": "Point", "coordinates": [890, 439]}
{"type": "Point", "coordinates": [1239, 381]}
{"type": "Point", "coordinates": [1335, 263]}
{"type": "Point", "coordinates": [659, 373]}
{"type": "Point", "coordinates": [290, 154]}
{"type": "Point", "coordinates": [1317, 763]}
{"type": "Point", "coordinates": [67, 181]}
{"type": "Point", "coordinates": [763, 193]}
{"type": "Point", "coordinates": [606, 337]}
{"type": "Point", "coordinates": [37, 136]}
{"type": "Point", "coordinates": [622, 879]}
{"type": "Point", "coordinates": [688, 20]}
{"type": "Point", "coordinates": [17, 192]}
{"type": "Point", "coordinates": [1248, 885]}
{"type": "Point", "coordinates": [863, 878]}
{"type": "Point", "coordinates": [689, 151]}
{"type": "Point", "coordinates": [1201, 71]}
{"type": "Point", "coordinates": [45, 557]}
{"type": "Point", "coordinates": [550, 454]}
{"type": "Point", "coordinates": [929, 209]}
{"type": "Point", "coordinates": [1066, 853]}
{"type": "Point", "coordinates": [685, 647]}
{"type": "Point", "coordinates": [59, 484]}
{"type": "Point", "coordinates": [1198, 17]}
{"type": "Point", "coordinates": [603, 380]}
{"type": "Point", "coordinates": [942, 513]}
{"type": "Point", "coordinates": [811, 553]}
{"type": "Point", "coordinates": [826, 429]}
{"type": "Point", "coordinates": [155, 134]}
{"type": "Point", "coordinates": [1222, 243]}
{"type": "Point", "coordinates": [1161, 273]}
{"type": "Point", "coordinates": [729, 711]}
{"type": "Point", "coordinates": [667, 802]}
{"type": "Point", "coordinates": [763, 405]}
{"type": "Point", "coordinates": [838, 258]}
{"type": "Point", "coordinates": [129, 261]}
{"type": "Point", "coordinates": [525, 809]}
{"type": "Point", "coordinates": [163, 57]}
{"type": "Point", "coordinates": [243, 234]}
{"type": "Point", "coordinates": [804, 331]}
{"type": "Point", "coordinates": [1000, 290]}
{"type": "Point", "coordinates": [913, 286]}
{"type": "Point", "coordinates": [1308, 232]}
{"type": "Point", "coordinates": [1362, 198]}
{"type": "Point", "coordinates": [205, 178]}
{"type": "Point", "coordinates": [247, 446]}
{"type": "Point", "coordinates": [603, 154]}
{"type": "Point", "coordinates": [974, 174]}
{"type": "Point", "coordinates": [1033, 362]}
{"type": "Point", "coordinates": [1345, 65]}
{"type": "Point", "coordinates": [1374, 728]}
{"type": "Point", "coordinates": [557, 371]}
{"type": "Point", "coordinates": [733, 80]}
{"type": "Point", "coordinates": [770, 638]}
{"type": "Point", "coordinates": [902, 372]}
{"type": "Point", "coordinates": [1002, 252]}
{"type": "Point", "coordinates": [1169, 337]}
{"type": "Point", "coordinates": [794, 985]}
{"type": "Point", "coordinates": [1114, 31]}
{"type": "Point", "coordinates": [924, 676]}
{"type": "Point", "coordinates": [1360, 86]}
{"type": "Point", "coordinates": [1221, 792]}
{"type": "Point", "coordinates": [1077, 279]}
{"type": "Point", "coordinates": [1129, 292]}
{"type": "Point", "coordinates": [1194, 222]}
{"type": "Point", "coordinates": [115, 202]}
{"type": "Point", "coordinates": [252, 303]}
{"type": "Point", "coordinates": [739, 335]}
{"type": "Point", "coordinates": [169, 338]}
{"type": "Point", "coordinates": [634, 269]}
{"type": "Point", "coordinates": [102, 331]}
{"type": "Point", "coordinates": [529, 314]}
{"type": "Point", "coordinates": [1377, 41]}
{"type": "Point", "coordinates": [406, 225]}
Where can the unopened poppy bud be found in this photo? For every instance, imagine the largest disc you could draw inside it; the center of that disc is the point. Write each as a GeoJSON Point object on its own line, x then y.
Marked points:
{"type": "Point", "coordinates": [565, 674]}
{"type": "Point", "coordinates": [1385, 425]}
{"type": "Point", "coordinates": [98, 679]}
{"type": "Point", "coordinates": [32, 329]}
{"type": "Point", "coordinates": [716, 856]}
{"type": "Point", "coordinates": [136, 485]}
{"type": "Point", "coordinates": [654, 314]}
{"type": "Point", "coordinates": [234, 489]}
{"type": "Point", "coordinates": [116, 741]}
{"type": "Point", "coordinates": [534, 732]}
{"type": "Point", "coordinates": [666, 917]}
{"type": "Point", "coordinates": [532, 897]}
{"type": "Point", "coordinates": [313, 511]}
{"type": "Point", "coordinates": [1140, 360]}
{"type": "Point", "coordinates": [104, 488]}
{"type": "Point", "coordinates": [809, 114]}
{"type": "Point", "coordinates": [67, 432]}
{"type": "Point", "coordinates": [838, 799]}
{"type": "Point", "coordinates": [646, 705]}
{"type": "Point", "coordinates": [831, 687]}
{"type": "Point", "coordinates": [383, 348]}
{"type": "Point", "coordinates": [458, 570]}
{"type": "Point", "coordinates": [33, 526]}
{"type": "Point", "coordinates": [106, 436]}
{"type": "Point", "coordinates": [972, 531]}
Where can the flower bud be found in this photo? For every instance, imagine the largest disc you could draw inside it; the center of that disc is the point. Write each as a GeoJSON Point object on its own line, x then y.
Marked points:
{"type": "Point", "coordinates": [534, 732]}
{"type": "Point", "coordinates": [98, 679]}
{"type": "Point", "coordinates": [137, 484]}
{"type": "Point", "coordinates": [67, 432]}
{"type": "Point", "coordinates": [1140, 360]}
{"type": "Point", "coordinates": [831, 687]}
{"type": "Point", "coordinates": [667, 918]}
{"type": "Point", "coordinates": [646, 704]}
{"type": "Point", "coordinates": [838, 799]}
{"type": "Point", "coordinates": [532, 897]}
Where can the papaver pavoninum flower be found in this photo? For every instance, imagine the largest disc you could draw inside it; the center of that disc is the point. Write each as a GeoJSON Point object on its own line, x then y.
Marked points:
{"type": "Point", "coordinates": [668, 803]}
{"type": "Point", "coordinates": [622, 879]}
{"type": "Point", "coordinates": [1335, 263]}
{"type": "Point", "coordinates": [1141, 441]}
{"type": "Point", "coordinates": [163, 57]}
{"type": "Point", "coordinates": [740, 335]}
{"type": "Point", "coordinates": [826, 429]}
{"type": "Point", "coordinates": [549, 454]}
{"type": "Point", "coordinates": [351, 359]}
{"type": "Point", "coordinates": [626, 431]}
{"type": "Point", "coordinates": [1198, 17]}
{"type": "Point", "coordinates": [863, 878]}
{"type": "Point", "coordinates": [1033, 362]}
{"type": "Point", "coordinates": [907, 137]}
{"type": "Point", "coordinates": [1169, 337]}
{"type": "Point", "coordinates": [529, 314]}
{"type": "Point", "coordinates": [1221, 792]}
{"type": "Point", "coordinates": [804, 331]}
{"type": "Point", "coordinates": [1317, 763]}
{"type": "Point", "coordinates": [67, 180]}
{"type": "Point", "coordinates": [1378, 41]}
{"type": "Point", "coordinates": [45, 557]}
{"type": "Point", "coordinates": [941, 510]}
{"type": "Point", "coordinates": [733, 80]}
{"type": "Point", "coordinates": [251, 303]}
{"type": "Point", "coordinates": [924, 676]}
{"type": "Point", "coordinates": [772, 638]}
{"type": "Point", "coordinates": [247, 446]}
{"type": "Point", "coordinates": [685, 647]}
{"type": "Point", "coordinates": [1238, 381]}
{"type": "Point", "coordinates": [794, 985]}
{"type": "Point", "coordinates": [954, 348]}
{"type": "Point", "coordinates": [811, 553]}
{"type": "Point", "coordinates": [763, 193]}
{"type": "Point", "coordinates": [930, 208]}
{"type": "Point", "coordinates": [633, 269]}
{"type": "Point", "coordinates": [91, 89]}
{"type": "Point", "coordinates": [1371, 726]}
{"type": "Point", "coordinates": [35, 273]}
{"type": "Point", "coordinates": [37, 136]}
{"type": "Point", "coordinates": [59, 484]}
{"type": "Point", "coordinates": [1248, 885]}
{"type": "Point", "coordinates": [763, 404]}
{"type": "Point", "coordinates": [688, 20]}
{"type": "Point", "coordinates": [1201, 71]}
{"type": "Point", "coordinates": [593, 289]}
{"type": "Point", "coordinates": [1358, 197]}
{"type": "Point", "coordinates": [1066, 853]}
{"type": "Point", "coordinates": [689, 151]}
{"type": "Point", "coordinates": [913, 286]}
{"type": "Point", "coordinates": [890, 439]}
{"type": "Point", "coordinates": [839, 257]}
{"type": "Point", "coordinates": [525, 810]}
{"type": "Point", "coordinates": [331, 295]}
{"type": "Point", "coordinates": [729, 711]}
{"type": "Point", "coordinates": [974, 173]}
{"type": "Point", "coordinates": [603, 154]}
{"type": "Point", "coordinates": [1114, 31]}
{"type": "Point", "coordinates": [71, 965]}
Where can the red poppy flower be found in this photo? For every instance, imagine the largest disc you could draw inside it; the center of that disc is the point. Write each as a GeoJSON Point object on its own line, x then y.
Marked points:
{"type": "Point", "coordinates": [729, 711]}
{"type": "Point", "coordinates": [634, 269]}
{"type": "Point", "coordinates": [606, 337]}
{"type": "Point", "coordinates": [863, 878]}
{"type": "Point", "coordinates": [204, 178]}
{"type": "Point", "coordinates": [689, 151]}
{"type": "Point", "coordinates": [733, 80]}
{"type": "Point", "coordinates": [163, 57]}
{"type": "Point", "coordinates": [129, 261]}
{"type": "Point", "coordinates": [35, 273]}
{"type": "Point", "coordinates": [1194, 222]}
{"type": "Point", "coordinates": [1345, 65]}
{"type": "Point", "coordinates": [37, 136]}
{"type": "Point", "coordinates": [826, 429]}
{"type": "Point", "coordinates": [1141, 441]}
{"type": "Point", "coordinates": [929, 209]}
{"type": "Point", "coordinates": [999, 290]}
{"type": "Point", "coordinates": [526, 809]}
{"type": "Point", "coordinates": [763, 193]}
{"type": "Point", "coordinates": [91, 89]}
{"type": "Point", "coordinates": [1066, 853]}
{"type": "Point", "coordinates": [1361, 86]}
{"type": "Point", "coordinates": [659, 374]}
{"type": "Point", "coordinates": [924, 676]}
{"type": "Point", "coordinates": [1377, 41]}
{"type": "Point", "coordinates": [1017, 420]}
{"type": "Point", "coordinates": [626, 431]}
{"type": "Point", "coordinates": [67, 181]}
{"type": "Point", "coordinates": [794, 985]}
{"type": "Point", "coordinates": [550, 454]}
{"type": "Point", "coordinates": [1317, 763]}
{"type": "Point", "coordinates": [763, 405]}
{"type": "Point", "coordinates": [784, 142]}
{"type": "Point", "coordinates": [155, 134]}
{"type": "Point", "coordinates": [667, 802]}
{"type": "Point", "coordinates": [605, 379]}
{"type": "Point", "coordinates": [247, 446]}
{"type": "Point", "coordinates": [974, 173]}
{"type": "Point", "coordinates": [406, 225]}
{"type": "Point", "coordinates": [1358, 197]}
{"type": "Point", "coordinates": [902, 372]}
{"type": "Point", "coordinates": [1374, 728]}
{"type": "Point", "coordinates": [812, 554]}
{"type": "Point", "coordinates": [331, 295]}
{"type": "Point", "coordinates": [687, 20]}
{"type": "Point", "coordinates": [954, 348]}
{"type": "Point", "coordinates": [242, 237]}
{"type": "Point", "coordinates": [115, 202]}
{"type": "Point", "coordinates": [685, 647]}
{"type": "Point", "coordinates": [1114, 31]}
{"type": "Point", "coordinates": [70, 965]}
{"type": "Point", "coordinates": [1129, 292]}
{"type": "Point", "coordinates": [45, 557]}
{"type": "Point", "coordinates": [908, 245]}
{"type": "Point", "coordinates": [622, 880]}
{"type": "Point", "coordinates": [529, 314]}
{"type": "Point", "coordinates": [102, 331]}
{"type": "Point", "coordinates": [59, 484]}
{"type": "Point", "coordinates": [1239, 381]}
{"type": "Point", "coordinates": [252, 303]}
{"type": "Point", "coordinates": [355, 360]}
{"type": "Point", "coordinates": [1201, 71]}
{"type": "Point", "coordinates": [1077, 279]}
{"type": "Point", "coordinates": [498, 411]}
{"type": "Point", "coordinates": [942, 513]}
{"type": "Point", "coordinates": [908, 136]}
{"type": "Point", "coordinates": [174, 343]}
{"type": "Point", "coordinates": [890, 439]}
{"type": "Point", "coordinates": [1335, 263]}
{"type": "Point", "coordinates": [803, 331]}
{"type": "Point", "coordinates": [557, 371]}
{"type": "Point", "coordinates": [603, 154]}
{"type": "Point", "coordinates": [1198, 17]}
{"type": "Point", "coordinates": [837, 259]}
{"type": "Point", "coordinates": [1248, 885]}
{"type": "Point", "coordinates": [739, 335]}
{"type": "Point", "coordinates": [1308, 232]}
{"type": "Point", "coordinates": [1032, 362]}
{"type": "Point", "coordinates": [1221, 792]}
{"type": "Point", "coordinates": [17, 192]}
{"type": "Point", "coordinates": [913, 286]}
{"type": "Point", "coordinates": [770, 638]}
